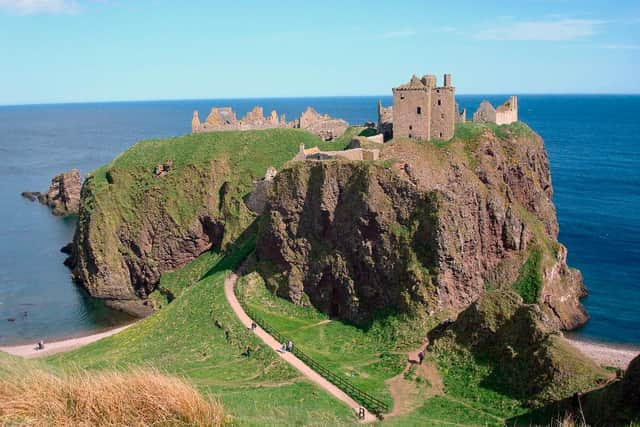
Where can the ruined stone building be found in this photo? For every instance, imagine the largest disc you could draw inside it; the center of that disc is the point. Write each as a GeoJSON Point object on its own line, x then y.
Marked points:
{"type": "Point", "coordinates": [385, 121]}
{"type": "Point", "coordinates": [503, 115]}
{"type": "Point", "coordinates": [314, 153]}
{"type": "Point", "coordinates": [224, 119]}
{"type": "Point", "coordinates": [421, 110]}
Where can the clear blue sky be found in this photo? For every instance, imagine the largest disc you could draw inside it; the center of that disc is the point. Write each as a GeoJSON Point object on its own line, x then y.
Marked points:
{"type": "Point", "coordinates": [91, 50]}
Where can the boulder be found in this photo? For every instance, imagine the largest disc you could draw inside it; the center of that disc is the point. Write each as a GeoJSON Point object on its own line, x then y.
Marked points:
{"type": "Point", "coordinates": [631, 384]}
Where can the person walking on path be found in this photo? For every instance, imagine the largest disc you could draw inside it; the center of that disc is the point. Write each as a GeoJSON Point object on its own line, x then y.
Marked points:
{"type": "Point", "coordinates": [290, 346]}
{"type": "Point", "coordinates": [420, 357]}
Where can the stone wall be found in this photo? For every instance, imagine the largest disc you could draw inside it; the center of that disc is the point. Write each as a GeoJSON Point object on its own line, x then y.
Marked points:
{"type": "Point", "coordinates": [507, 112]}
{"type": "Point", "coordinates": [385, 121]}
{"type": "Point", "coordinates": [503, 115]}
{"type": "Point", "coordinates": [224, 119]}
{"type": "Point", "coordinates": [443, 113]}
{"type": "Point", "coordinates": [351, 154]}
{"type": "Point", "coordinates": [412, 110]}
{"type": "Point", "coordinates": [485, 113]}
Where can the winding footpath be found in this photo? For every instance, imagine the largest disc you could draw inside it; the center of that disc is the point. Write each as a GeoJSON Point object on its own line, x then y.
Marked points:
{"type": "Point", "coordinates": [29, 351]}
{"type": "Point", "coordinates": [290, 358]}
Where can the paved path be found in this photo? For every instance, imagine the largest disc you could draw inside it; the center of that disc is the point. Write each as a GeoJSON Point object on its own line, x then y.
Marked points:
{"type": "Point", "coordinates": [229, 283]}
{"type": "Point", "coordinates": [29, 351]}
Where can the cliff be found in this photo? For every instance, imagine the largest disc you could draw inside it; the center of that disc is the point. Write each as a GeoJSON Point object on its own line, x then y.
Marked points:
{"type": "Point", "coordinates": [164, 202]}
{"type": "Point", "coordinates": [433, 226]}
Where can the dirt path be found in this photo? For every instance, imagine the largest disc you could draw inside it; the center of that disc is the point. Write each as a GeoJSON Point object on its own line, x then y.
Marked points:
{"type": "Point", "coordinates": [229, 283]}
{"type": "Point", "coordinates": [415, 384]}
{"type": "Point", "coordinates": [29, 351]}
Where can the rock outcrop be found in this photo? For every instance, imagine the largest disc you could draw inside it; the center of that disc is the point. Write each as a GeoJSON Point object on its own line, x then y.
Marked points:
{"type": "Point", "coordinates": [63, 196]}
{"type": "Point", "coordinates": [531, 361]}
{"type": "Point", "coordinates": [631, 384]}
{"type": "Point", "coordinates": [163, 203]}
{"type": "Point", "coordinates": [122, 265]}
{"type": "Point", "coordinates": [430, 229]}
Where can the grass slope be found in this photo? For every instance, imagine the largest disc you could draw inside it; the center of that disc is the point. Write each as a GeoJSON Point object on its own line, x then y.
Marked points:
{"type": "Point", "coordinates": [198, 337]}
{"type": "Point", "coordinates": [369, 357]}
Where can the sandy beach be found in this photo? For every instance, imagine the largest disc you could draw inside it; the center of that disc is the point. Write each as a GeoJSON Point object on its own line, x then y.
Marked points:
{"type": "Point", "coordinates": [605, 354]}
{"type": "Point", "coordinates": [29, 351]}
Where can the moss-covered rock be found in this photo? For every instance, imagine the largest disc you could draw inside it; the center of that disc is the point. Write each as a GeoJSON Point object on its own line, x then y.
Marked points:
{"type": "Point", "coordinates": [135, 223]}
{"type": "Point", "coordinates": [530, 360]}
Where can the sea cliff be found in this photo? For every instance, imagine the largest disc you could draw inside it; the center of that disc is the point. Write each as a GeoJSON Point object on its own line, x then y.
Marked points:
{"type": "Point", "coordinates": [431, 226]}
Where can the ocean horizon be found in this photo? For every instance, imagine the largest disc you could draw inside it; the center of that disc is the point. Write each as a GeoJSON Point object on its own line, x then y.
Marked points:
{"type": "Point", "coordinates": [305, 97]}
{"type": "Point", "coordinates": [592, 141]}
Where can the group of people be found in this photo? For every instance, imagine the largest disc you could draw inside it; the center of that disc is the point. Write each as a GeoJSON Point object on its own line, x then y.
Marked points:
{"type": "Point", "coordinates": [287, 347]}
{"type": "Point", "coordinates": [40, 345]}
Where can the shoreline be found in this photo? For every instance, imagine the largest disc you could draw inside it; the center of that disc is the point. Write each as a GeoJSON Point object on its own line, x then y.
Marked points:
{"type": "Point", "coordinates": [28, 351]}
{"type": "Point", "coordinates": [605, 353]}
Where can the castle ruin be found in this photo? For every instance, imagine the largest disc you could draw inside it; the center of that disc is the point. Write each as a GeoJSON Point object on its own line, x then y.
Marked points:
{"type": "Point", "coordinates": [314, 153]}
{"type": "Point", "coordinates": [421, 110]}
{"type": "Point", "coordinates": [503, 115]}
{"type": "Point", "coordinates": [224, 119]}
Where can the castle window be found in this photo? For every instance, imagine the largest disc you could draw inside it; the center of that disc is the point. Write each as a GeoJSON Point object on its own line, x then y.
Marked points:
{"type": "Point", "coordinates": [440, 134]}
{"type": "Point", "coordinates": [409, 135]}
{"type": "Point", "coordinates": [419, 110]}
{"type": "Point", "coordinates": [439, 102]}
{"type": "Point", "coordinates": [442, 115]}
{"type": "Point", "coordinates": [410, 127]}
{"type": "Point", "coordinates": [402, 96]}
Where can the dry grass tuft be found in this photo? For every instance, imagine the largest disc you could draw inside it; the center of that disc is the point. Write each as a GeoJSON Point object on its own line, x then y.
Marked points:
{"type": "Point", "coordinates": [33, 396]}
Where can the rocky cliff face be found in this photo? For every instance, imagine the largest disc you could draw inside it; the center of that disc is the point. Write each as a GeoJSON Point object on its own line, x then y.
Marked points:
{"type": "Point", "coordinates": [162, 203]}
{"type": "Point", "coordinates": [120, 260]}
{"type": "Point", "coordinates": [431, 228]}
{"type": "Point", "coordinates": [63, 196]}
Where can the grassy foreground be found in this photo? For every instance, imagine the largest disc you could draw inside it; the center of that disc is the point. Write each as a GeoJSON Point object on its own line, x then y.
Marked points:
{"type": "Point", "coordinates": [198, 337]}
{"type": "Point", "coordinates": [32, 394]}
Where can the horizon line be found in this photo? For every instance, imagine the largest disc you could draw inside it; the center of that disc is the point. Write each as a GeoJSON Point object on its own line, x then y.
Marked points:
{"type": "Point", "coordinates": [131, 101]}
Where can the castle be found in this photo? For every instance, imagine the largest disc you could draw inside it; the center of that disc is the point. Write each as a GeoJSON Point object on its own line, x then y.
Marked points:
{"type": "Point", "coordinates": [424, 111]}
{"type": "Point", "coordinates": [421, 110]}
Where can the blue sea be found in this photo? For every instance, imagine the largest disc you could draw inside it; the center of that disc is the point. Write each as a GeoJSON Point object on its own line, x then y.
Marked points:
{"type": "Point", "coordinates": [593, 144]}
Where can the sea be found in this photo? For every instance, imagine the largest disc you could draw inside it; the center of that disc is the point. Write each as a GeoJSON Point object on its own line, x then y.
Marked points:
{"type": "Point", "coordinates": [593, 144]}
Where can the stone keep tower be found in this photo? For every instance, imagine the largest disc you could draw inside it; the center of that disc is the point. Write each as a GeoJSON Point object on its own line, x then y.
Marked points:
{"type": "Point", "coordinates": [422, 110]}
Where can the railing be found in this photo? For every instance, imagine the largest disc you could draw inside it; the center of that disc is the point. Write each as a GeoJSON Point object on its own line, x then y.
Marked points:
{"type": "Point", "coordinates": [374, 405]}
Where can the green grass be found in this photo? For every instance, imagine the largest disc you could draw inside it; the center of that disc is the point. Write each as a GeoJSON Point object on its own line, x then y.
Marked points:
{"type": "Point", "coordinates": [365, 357]}
{"type": "Point", "coordinates": [197, 336]}
{"type": "Point", "coordinates": [343, 140]}
{"type": "Point", "coordinates": [529, 280]}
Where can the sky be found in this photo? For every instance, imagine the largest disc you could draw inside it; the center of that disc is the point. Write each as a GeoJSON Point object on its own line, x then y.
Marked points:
{"type": "Point", "coordinates": [54, 51]}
